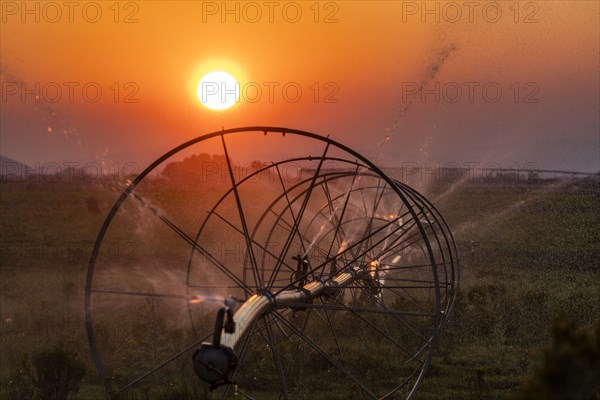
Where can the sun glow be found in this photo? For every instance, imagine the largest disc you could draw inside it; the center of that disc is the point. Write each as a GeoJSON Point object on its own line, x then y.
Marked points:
{"type": "Point", "coordinates": [218, 90]}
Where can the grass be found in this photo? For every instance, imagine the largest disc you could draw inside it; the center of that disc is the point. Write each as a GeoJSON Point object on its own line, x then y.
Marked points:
{"type": "Point", "coordinates": [538, 246]}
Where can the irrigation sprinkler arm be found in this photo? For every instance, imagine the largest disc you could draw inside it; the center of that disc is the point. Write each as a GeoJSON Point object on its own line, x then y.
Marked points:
{"type": "Point", "coordinates": [261, 303]}
{"type": "Point", "coordinates": [216, 362]}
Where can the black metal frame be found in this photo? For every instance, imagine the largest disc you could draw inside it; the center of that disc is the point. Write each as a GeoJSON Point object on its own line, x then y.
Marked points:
{"type": "Point", "coordinates": [433, 238]}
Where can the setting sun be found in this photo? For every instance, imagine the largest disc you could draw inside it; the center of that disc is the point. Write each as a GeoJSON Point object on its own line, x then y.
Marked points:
{"type": "Point", "coordinates": [218, 90]}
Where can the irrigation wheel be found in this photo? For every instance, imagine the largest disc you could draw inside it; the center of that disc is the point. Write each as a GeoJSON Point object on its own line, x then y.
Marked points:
{"type": "Point", "coordinates": [342, 277]}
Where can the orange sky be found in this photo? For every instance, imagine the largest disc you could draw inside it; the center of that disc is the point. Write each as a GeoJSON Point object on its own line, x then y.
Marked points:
{"type": "Point", "coordinates": [368, 53]}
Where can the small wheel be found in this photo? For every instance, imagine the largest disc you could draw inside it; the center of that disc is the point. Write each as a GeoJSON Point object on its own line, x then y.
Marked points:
{"type": "Point", "coordinates": [356, 272]}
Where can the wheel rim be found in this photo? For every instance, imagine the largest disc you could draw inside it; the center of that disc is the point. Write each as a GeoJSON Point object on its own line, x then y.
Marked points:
{"type": "Point", "coordinates": [339, 212]}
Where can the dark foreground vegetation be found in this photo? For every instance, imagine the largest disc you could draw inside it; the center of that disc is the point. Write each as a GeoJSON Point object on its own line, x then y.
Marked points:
{"type": "Point", "coordinates": [525, 324]}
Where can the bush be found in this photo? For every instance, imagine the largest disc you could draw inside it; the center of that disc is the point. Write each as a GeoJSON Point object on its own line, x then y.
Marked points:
{"type": "Point", "coordinates": [56, 374]}
{"type": "Point", "coordinates": [571, 367]}
{"type": "Point", "coordinates": [17, 386]}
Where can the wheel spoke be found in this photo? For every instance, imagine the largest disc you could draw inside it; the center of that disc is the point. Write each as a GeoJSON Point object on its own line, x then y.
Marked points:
{"type": "Point", "coordinates": [370, 324]}
{"type": "Point", "coordinates": [277, 359]}
{"type": "Point", "coordinates": [295, 228]}
{"type": "Point", "coordinates": [377, 270]}
{"type": "Point", "coordinates": [143, 294]}
{"type": "Point", "coordinates": [257, 244]}
{"type": "Point", "coordinates": [324, 354]}
{"type": "Point", "coordinates": [344, 307]}
{"type": "Point", "coordinates": [242, 216]}
{"type": "Point", "coordinates": [338, 221]}
{"type": "Point", "coordinates": [195, 245]}
{"type": "Point", "coordinates": [162, 364]}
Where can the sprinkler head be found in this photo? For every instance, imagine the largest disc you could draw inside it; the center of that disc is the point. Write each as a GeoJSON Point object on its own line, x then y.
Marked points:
{"type": "Point", "coordinates": [230, 302]}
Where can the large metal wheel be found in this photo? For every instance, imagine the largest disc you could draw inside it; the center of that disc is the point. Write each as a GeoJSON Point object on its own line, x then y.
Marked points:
{"type": "Point", "coordinates": [343, 277]}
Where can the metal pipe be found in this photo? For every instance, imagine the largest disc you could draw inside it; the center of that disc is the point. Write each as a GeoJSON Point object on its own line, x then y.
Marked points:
{"type": "Point", "coordinates": [262, 302]}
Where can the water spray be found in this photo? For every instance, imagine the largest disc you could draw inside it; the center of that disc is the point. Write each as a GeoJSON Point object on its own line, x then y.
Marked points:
{"type": "Point", "coordinates": [335, 261]}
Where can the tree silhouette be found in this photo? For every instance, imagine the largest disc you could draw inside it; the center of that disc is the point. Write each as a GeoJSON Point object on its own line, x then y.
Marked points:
{"type": "Point", "coordinates": [198, 168]}
{"type": "Point", "coordinates": [571, 366]}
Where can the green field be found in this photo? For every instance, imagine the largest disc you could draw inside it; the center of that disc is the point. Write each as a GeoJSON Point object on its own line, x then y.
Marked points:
{"type": "Point", "coordinates": [536, 260]}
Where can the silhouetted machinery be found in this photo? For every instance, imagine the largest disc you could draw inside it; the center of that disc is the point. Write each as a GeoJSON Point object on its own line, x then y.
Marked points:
{"type": "Point", "coordinates": [213, 363]}
{"type": "Point", "coordinates": [333, 278]}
